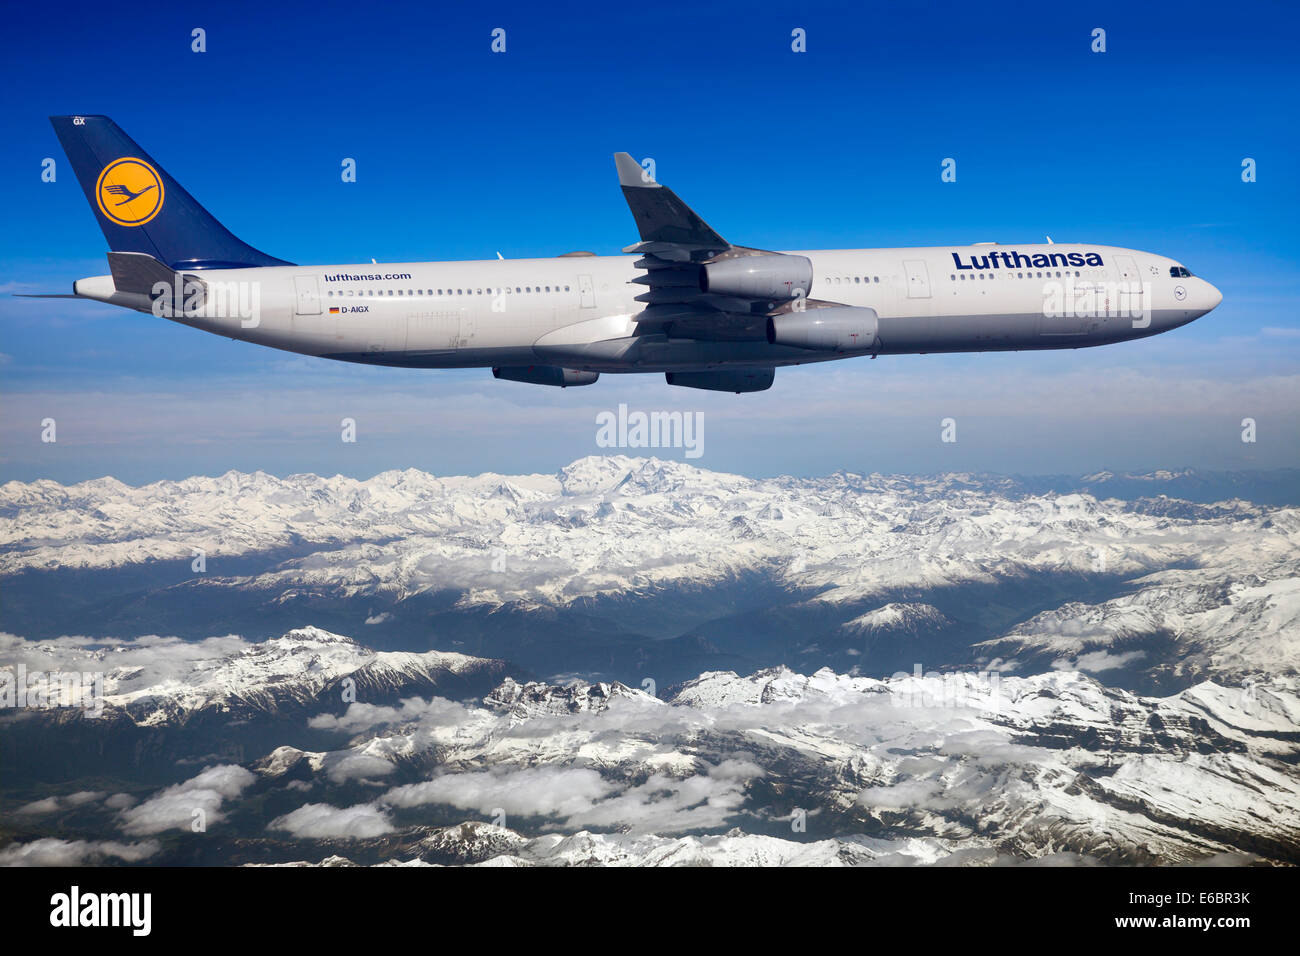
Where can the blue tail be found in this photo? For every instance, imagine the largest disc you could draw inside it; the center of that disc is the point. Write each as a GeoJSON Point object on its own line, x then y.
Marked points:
{"type": "Point", "coordinates": [141, 208]}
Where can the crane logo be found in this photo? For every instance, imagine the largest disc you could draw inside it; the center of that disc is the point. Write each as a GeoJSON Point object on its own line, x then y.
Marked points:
{"type": "Point", "coordinates": [129, 192]}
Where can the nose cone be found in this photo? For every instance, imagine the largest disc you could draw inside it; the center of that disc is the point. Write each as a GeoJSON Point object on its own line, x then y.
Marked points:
{"type": "Point", "coordinates": [1213, 297]}
{"type": "Point", "coordinates": [1201, 297]}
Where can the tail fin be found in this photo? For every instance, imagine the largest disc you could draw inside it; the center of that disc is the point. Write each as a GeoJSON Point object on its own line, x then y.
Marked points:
{"type": "Point", "coordinates": [140, 207]}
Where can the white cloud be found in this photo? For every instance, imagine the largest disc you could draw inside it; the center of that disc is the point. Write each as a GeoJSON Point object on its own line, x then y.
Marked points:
{"type": "Point", "coordinates": [347, 765]}
{"type": "Point", "coordinates": [544, 791]}
{"type": "Point", "coordinates": [580, 797]}
{"type": "Point", "coordinates": [173, 808]}
{"type": "Point", "coordinates": [39, 807]}
{"type": "Point", "coordinates": [670, 804]}
{"type": "Point", "coordinates": [1096, 662]}
{"type": "Point", "coordinates": [53, 852]}
{"type": "Point", "coordinates": [320, 821]}
{"type": "Point", "coordinates": [359, 716]}
{"type": "Point", "coordinates": [82, 797]}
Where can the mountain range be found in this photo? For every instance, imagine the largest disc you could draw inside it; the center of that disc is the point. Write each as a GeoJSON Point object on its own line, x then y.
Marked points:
{"type": "Point", "coordinates": [773, 767]}
{"type": "Point", "coordinates": [623, 569]}
{"type": "Point", "coordinates": [642, 662]}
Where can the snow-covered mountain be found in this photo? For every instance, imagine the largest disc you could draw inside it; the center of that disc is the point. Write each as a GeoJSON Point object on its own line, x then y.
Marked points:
{"type": "Point", "coordinates": [848, 669]}
{"type": "Point", "coordinates": [953, 768]}
{"type": "Point", "coordinates": [1184, 623]}
{"type": "Point", "coordinates": [874, 572]}
{"type": "Point", "coordinates": [776, 767]}
{"type": "Point", "coordinates": [156, 682]}
{"type": "Point", "coordinates": [147, 706]}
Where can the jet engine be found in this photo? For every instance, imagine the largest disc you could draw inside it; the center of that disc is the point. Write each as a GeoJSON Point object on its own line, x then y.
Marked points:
{"type": "Point", "coordinates": [769, 276]}
{"type": "Point", "coordinates": [843, 328]}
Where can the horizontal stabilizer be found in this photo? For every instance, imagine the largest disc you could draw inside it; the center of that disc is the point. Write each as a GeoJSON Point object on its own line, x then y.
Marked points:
{"type": "Point", "coordinates": [137, 272]}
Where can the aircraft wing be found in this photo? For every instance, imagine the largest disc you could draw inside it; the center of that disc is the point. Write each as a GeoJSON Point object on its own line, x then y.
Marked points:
{"type": "Point", "coordinates": [699, 285]}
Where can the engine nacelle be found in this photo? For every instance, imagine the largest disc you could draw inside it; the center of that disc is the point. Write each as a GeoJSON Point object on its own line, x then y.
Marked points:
{"type": "Point", "coordinates": [774, 276]}
{"type": "Point", "coordinates": [725, 379]}
{"type": "Point", "coordinates": [545, 375]}
{"type": "Point", "coordinates": [844, 328]}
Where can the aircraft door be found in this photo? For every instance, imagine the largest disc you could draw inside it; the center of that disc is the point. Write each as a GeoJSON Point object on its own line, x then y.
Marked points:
{"type": "Point", "coordinates": [307, 298]}
{"type": "Point", "coordinates": [918, 279]}
{"type": "Point", "coordinates": [588, 292]}
{"type": "Point", "coordinates": [1132, 302]}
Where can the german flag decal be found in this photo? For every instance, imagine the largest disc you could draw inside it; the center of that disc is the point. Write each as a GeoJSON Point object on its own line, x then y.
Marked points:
{"type": "Point", "coordinates": [333, 310]}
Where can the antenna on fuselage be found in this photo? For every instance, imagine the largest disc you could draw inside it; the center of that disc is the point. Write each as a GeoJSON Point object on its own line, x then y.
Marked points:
{"type": "Point", "coordinates": [1049, 241]}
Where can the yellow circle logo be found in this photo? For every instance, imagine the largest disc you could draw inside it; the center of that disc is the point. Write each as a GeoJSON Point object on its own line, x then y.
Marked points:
{"type": "Point", "coordinates": [129, 191]}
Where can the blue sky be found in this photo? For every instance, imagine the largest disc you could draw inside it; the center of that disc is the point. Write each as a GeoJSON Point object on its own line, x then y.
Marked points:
{"type": "Point", "coordinates": [462, 153]}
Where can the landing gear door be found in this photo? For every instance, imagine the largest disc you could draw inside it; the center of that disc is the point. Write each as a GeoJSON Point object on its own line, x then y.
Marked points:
{"type": "Point", "coordinates": [918, 279]}
{"type": "Point", "coordinates": [308, 295]}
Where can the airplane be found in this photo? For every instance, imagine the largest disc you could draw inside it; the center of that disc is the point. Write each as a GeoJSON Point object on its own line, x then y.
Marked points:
{"type": "Point", "coordinates": [682, 301]}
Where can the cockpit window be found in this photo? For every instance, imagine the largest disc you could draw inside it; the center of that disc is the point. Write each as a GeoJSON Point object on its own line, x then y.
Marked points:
{"type": "Point", "coordinates": [1178, 272]}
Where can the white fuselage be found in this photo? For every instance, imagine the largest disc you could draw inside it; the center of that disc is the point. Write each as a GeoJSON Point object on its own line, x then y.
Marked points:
{"type": "Point", "coordinates": [579, 311]}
